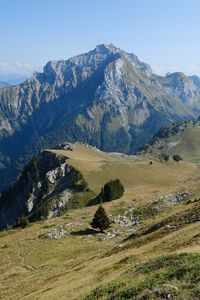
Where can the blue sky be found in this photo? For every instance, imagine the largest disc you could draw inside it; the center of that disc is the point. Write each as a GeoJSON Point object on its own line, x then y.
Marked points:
{"type": "Point", "coordinates": [163, 33]}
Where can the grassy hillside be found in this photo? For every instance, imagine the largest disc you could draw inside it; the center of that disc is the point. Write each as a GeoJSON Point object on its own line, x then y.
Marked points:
{"type": "Point", "coordinates": [156, 255]}
{"type": "Point", "coordinates": [182, 138]}
{"type": "Point", "coordinates": [141, 180]}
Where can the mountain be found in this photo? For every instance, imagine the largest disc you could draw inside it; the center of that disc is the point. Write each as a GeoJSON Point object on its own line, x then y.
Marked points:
{"type": "Point", "coordinates": [4, 84]}
{"type": "Point", "coordinates": [195, 79]}
{"type": "Point", "coordinates": [186, 88]}
{"type": "Point", "coordinates": [107, 98]}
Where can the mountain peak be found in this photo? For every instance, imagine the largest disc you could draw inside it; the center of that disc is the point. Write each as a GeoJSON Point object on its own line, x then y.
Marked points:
{"type": "Point", "coordinates": [108, 47]}
{"type": "Point", "coordinates": [111, 48]}
{"type": "Point", "coordinates": [102, 53]}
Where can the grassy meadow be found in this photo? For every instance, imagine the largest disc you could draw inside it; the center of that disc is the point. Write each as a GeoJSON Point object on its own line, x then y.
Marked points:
{"type": "Point", "coordinates": [160, 255]}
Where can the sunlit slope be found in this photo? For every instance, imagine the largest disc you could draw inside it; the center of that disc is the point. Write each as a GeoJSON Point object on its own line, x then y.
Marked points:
{"type": "Point", "coordinates": [139, 259]}
{"type": "Point", "coordinates": [178, 138]}
{"type": "Point", "coordinates": [33, 267]}
{"type": "Point", "coordinates": [140, 178]}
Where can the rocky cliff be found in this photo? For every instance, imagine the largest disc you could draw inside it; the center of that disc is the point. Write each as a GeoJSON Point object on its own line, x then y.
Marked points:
{"type": "Point", "coordinates": [47, 186]}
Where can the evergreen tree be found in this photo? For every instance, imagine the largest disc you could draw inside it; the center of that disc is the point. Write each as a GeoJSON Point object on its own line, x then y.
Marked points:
{"type": "Point", "coordinates": [113, 189]}
{"type": "Point", "coordinates": [100, 219]}
{"type": "Point", "coordinates": [177, 157]}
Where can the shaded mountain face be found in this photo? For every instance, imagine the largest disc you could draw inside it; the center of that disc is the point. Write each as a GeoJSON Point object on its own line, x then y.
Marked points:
{"type": "Point", "coordinates": [106, 98]}
{"type": "Point", "coordinates": [45, 188]}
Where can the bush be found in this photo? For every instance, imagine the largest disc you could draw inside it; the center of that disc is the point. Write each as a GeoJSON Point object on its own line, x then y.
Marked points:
{"type": "Point", "coordinates": [113, 189]}
{"type": "Point", "coordinates": [177, 157]}
{"type": "Point", "coordinates": [100, 219]}
{"type": "Point", "coordinates": [22, 221]}
{"type": "Point", "coordinates": [41, 212]}
{"type": "Point", "coordinates": [79, 183]}
{"type": "Point", "coordinates": [163, 157]}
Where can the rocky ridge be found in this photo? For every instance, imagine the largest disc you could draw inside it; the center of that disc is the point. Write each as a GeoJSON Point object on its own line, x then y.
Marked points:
{"type": "Point", "coordinates": [45, 189]}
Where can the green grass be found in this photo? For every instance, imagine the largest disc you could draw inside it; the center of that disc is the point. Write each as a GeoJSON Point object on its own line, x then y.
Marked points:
{"type": "Point", "coordinates": [79, 266]}
{"type": "Point", "coordinates": [186, 135]}
{"type": "Point", "coordinates": [179, 270]}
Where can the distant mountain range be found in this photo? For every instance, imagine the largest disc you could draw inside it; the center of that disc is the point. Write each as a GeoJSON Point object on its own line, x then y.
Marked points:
{"type": "Point", "coordinates": [107, 98]}
{"type": "Point", "coordinates": [13, 78]}
{"type": "Point", "coordinates": [4, 84]}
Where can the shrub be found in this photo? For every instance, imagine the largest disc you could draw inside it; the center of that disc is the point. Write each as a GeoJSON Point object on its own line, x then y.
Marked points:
{"type": "Point", "coordinates": [100, 219]}
{"type": "Point", "coordinates": [163, 157]}
{"type": "Point", "coordinates": [22, 221]}
{"type": "Point", "coordinates": [79, 183]}
{"type": "Point", "coordinates": [113, 189]}
{"type": "Point", "coordinates": [177, 157]}
{"type": "Point", "coordinates": [42, 211]}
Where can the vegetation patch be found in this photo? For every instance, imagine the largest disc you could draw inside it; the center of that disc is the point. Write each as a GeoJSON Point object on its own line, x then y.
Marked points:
{"type": "Point", "coordinates": [167, 225]}
{"type": "Point", "coordinates": [175, 276]}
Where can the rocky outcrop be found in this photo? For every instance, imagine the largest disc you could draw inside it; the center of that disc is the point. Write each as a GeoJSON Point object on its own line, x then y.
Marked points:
{"type": "Point", "coordinates": [106, 98]}
{"type": "Point", "coordinates": [45, 188]}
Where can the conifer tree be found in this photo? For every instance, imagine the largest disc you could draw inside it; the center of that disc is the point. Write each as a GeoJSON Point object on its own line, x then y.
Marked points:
{"type": "Point", "coordinates": [113, 189]}
{"type": "Point", "coordinates": [100, 219]}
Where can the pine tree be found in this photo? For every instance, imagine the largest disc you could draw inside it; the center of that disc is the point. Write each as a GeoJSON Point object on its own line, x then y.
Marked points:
{"type": "Point", "coordinates": [100, 219]}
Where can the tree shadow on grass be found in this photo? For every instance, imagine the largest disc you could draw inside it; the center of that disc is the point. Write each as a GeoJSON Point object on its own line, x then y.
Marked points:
{"type": "Point", "coordinates": [94, 201]}
{"type": "Point", "coordinates": [87, 231]}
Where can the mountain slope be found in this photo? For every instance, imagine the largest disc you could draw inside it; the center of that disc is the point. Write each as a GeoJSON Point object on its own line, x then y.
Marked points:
{"type": "Point", "coordinates": [46, 187]}
{"type": "Point", "coordinates": [106, 98]}
{"type": "Point", "coordinates": [53, 181]}
{"type": "Point", "coordinates": [186, 88]}
{"type": "Point", "coordinates": [151, 250]}
{"type": "Point", "coordinates": [177, 138]}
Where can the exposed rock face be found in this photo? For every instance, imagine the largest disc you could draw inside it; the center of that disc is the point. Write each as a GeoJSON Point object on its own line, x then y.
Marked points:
{"type": "Point", "coordinates": [106, 98]}
{"type": "Point", "coordinates": [64, 146]}
{"type": "Point", "coordinates": [44, 188]}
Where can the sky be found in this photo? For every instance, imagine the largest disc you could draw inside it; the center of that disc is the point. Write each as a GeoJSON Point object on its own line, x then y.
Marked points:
{"type": "Point", "coordinates": [163, 33]}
